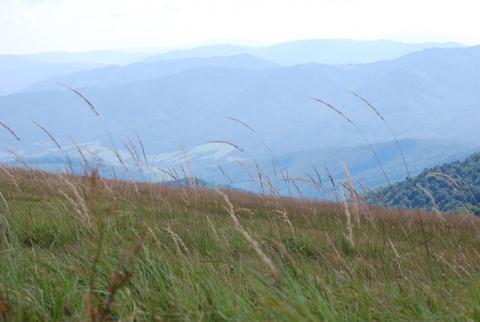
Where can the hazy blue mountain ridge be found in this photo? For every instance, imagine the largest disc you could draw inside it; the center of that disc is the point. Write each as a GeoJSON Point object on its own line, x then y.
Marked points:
{"type": "Point", "coordinates": [429, 97]}
{"type": "Point", "coordinates": [103, 57]}
{"type": "Point", "coordinates": [282, 93]}
{"type": "Point", "coordinates": [138, 72]}
{"type": "Point", "coordinates": [275, 102]}
{"type": "Point", "coordinates": [17, 72]}
{"type": "Point", "coordinates": [322, 51]}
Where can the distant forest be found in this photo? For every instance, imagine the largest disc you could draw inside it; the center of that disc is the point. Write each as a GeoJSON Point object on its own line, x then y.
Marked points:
{"type": "Point", "coordinates": [451, 187]}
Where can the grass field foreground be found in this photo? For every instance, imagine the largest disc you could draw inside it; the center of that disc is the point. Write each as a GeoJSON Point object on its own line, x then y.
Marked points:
{"type": "Point", "coordinates": [86, 248]}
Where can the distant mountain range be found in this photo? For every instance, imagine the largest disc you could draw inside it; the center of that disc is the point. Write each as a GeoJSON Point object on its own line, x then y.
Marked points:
{"type": "Point", "coordinates": [138, 72]}
{"type": "Point", "coordinates": [224, 115]}
{"type": "Point", "coordinates": [321, 51]}
{"type": "Point", "coordinates": [101, 57]}
{"type": "Point", "coordinates": [17, 72]}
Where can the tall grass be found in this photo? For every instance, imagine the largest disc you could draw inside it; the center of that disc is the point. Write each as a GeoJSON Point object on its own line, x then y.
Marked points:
{"type": "Point", "coordinates": [175, 254]}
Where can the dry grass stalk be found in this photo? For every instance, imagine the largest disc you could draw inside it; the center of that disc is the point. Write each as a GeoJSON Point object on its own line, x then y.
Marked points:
{"type": "Point", "coordinates": [228, 143]}
{"type": "Point", "coordinates": [259, 173]}
{"type": "Point", "coordinates": [187, 171]}
{"type": "Point", "coordinates": [6, 225]}
{"type": "Point", "coordinates": [48, 133]}
{"type": "Point", "coordinates": [132, 152]}
{"type": "Point", "coordinates": [10, 130]}
{"type": "Point", "coordinates": [231, 210]}
{"type": "Point", "coordinates": [349, 221]}
{"type": "Point", "coordinates": [263, 177]}
{"type": "Point", "coordinates": [178, 241]}
{"type": "Point", "coordinates": [143, 150]}
{"type": "Point", "coordinates": [466, 185]}
{"type": "Point", "coordinates": [213, 227]}
{"type": "Point", "coordinates": [135, 154]}
{"type": "Point", "coordinates": [353, 195]}
{"type": "Point", "coordinates": [285, 218]}
{"type": "Point", "coordinates": [92, 107]}
{"type": "Point", "coordinates": [273, 190]}
{"type": "Point", "coordinates": [315, 183]}
{"type": "Point", "coordinates": [359, 132]}
{"type": "Point", "coordinates": [330, 176]}
{"type": "Point", "coordinates": [122, 163]}
{"type": "Point", "coordinates": [434, 203]}
{"type": "Point", "coordinates": [19, 158]}
{"type": "Point", "coordinates": [388, 126]}
{"type": "Point", "coordinates": [87, 166]}
{"type": "Point", "coordinates": [81, 211]}
{"type": "Point", "coordinates": [258, 136]}
{"type": "Point", "coordinates": [445, 178]}
{"type": "Point", "coordinates": [11, 177]}
{"type": "Point", "coordinates": [56, 143]}
{"type": "Point", "coordinates": [5, 202]}
{"type": "Point", "coordinates": [224, 174]}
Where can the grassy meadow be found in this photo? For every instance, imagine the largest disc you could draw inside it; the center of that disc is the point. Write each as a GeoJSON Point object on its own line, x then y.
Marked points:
{"type": "Point", "coordinates": [87, 248]}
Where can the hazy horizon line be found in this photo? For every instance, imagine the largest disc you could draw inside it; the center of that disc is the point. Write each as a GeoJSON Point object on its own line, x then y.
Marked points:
{"type": "Point", "coordinates": [235, 42]}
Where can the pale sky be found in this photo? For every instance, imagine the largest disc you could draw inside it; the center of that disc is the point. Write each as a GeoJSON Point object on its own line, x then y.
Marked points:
{"type": "Point", "coordinates": [30, 26]}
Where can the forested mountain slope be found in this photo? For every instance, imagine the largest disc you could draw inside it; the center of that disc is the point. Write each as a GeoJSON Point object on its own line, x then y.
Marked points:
{"type": "Point", "coordinates": [449, 187]}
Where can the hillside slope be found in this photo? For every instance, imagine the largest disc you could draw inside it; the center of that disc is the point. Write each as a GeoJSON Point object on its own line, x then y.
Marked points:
{"type": "Point", "coordinates": [81, 248]}
{"type": "Point", "coordinates": [452, 186]}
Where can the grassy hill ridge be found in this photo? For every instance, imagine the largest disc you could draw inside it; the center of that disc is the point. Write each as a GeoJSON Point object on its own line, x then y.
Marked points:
{"type": "Point", "coordinates": [86, 248]}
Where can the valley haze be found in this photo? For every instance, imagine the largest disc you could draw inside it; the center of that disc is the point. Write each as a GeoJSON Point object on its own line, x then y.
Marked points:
{"type": "Point", "coordinates": [222, 112]}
